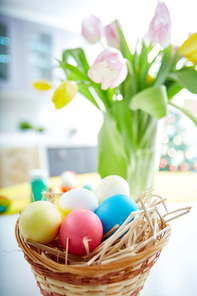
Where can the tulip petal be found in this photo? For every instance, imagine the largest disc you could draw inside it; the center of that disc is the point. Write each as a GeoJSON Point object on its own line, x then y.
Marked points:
{"type": "Point", "coordinates": [92, 29]}
{"type": "Point", "coordinates": [64, 93]}
{"type": "Point", "coordinates": [42, 84]}
{"type": "Point", "coordinates": [112, 34]}
{"type": "Point", "coordinates": [109, 69]}
{"type": "Point", "coordinates": [189, 46]}
{"type": "Point", "coordinates": [193, 57]}
{"type": "Point", "coordinates": [160, 26]}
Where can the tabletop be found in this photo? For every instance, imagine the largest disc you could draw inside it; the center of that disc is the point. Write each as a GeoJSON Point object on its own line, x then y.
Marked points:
{"type": "Point", "coordinates": [174, 274]}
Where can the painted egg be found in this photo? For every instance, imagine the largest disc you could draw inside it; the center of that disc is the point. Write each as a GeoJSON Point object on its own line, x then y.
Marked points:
{"type": "Point", "coordinates": [80, 228]}
{"type": "Point", "coordinates": [79, 198]}
{"type": "Point", "coordinates": [68, 180]}
{"type": "Point", "coordinates": [89, 185]}
{"type": "Point", "coordinates": [114, 211]}
{"type": "Point", "coordinates": [111, 185]}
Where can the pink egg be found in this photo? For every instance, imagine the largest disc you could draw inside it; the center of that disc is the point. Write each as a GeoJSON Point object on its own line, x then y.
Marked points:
{"type": "Point", "coordinates": [77, 226]}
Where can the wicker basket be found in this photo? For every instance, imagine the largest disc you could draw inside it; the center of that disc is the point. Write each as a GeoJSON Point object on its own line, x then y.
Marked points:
{"type": "Point", "coordinates": [119, 266]}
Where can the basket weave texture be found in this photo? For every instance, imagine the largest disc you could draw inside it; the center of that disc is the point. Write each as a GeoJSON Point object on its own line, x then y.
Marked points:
{"type": "Point", "coordinates": [119, 266]}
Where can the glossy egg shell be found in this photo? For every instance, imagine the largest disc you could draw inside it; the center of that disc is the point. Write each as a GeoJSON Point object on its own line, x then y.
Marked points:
{"type": "Point", "coordinates": [78, 225]}
{"type": "Point", "coordinates": [115, 210]}
{"type": "Point", "coordinates": [79, 198]}
{"type": "Point", "coordinates": [111, 185]}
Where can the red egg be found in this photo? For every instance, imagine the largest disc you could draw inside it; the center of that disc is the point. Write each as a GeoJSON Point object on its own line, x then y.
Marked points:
{"type": "Point", "coordinates": [78, 226]}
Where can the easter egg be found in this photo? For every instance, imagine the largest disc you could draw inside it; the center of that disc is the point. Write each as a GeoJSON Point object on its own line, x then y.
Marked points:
{"type": "Point", "coordinates": [89, 185]}
{"type": "Point", "coordinates": [68, 180]}
{"type": "Point", "coordinates": [79, 227]}
{"type": "Point", "coordinates": [79, 198]}
{"type": "Point", "coordinates": [111, 185]}
{"type": "Point", "coordinates": [115, 210]}
{"type": "Point", "coordinates": [40, 222]}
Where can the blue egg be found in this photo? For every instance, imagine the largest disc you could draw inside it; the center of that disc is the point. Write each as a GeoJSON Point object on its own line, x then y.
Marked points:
{"type": "Point", "coordinates": [115, 210]}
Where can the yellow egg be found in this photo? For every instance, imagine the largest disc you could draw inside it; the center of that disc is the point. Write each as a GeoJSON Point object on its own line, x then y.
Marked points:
{"type": "Point", "coordinates": [40, 222]}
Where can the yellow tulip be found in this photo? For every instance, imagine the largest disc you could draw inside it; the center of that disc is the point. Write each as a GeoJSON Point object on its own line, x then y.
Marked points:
{"type": "Point", "coordinates": [64, 93]}
{"type": "Point", "coordinates": [42, 84]}
{"type": "Point", "coordinates": [149, 79]}
{"type": "Point", "coordinates": [189, 48]}
{"type": "Point", "coordinates": [193, 57]}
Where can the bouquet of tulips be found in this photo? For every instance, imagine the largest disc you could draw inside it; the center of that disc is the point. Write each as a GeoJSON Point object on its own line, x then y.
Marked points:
{"type": "Point", "coordinates": [132, 88]}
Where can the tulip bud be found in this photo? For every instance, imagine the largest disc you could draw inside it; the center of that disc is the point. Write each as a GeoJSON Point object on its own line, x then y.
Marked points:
{"type": "Point", "coordinates": [109, 69]}
{"type": "Point", "coordinates": [42, 84]}
{"type": "Point", "coordinates": [112, 35]}
{"type": "Point", "coordinates": [92, 29]}
{"type": "Point", "coordinates": [64, 93]}
{"type": "Point", "coordinates": [189, 48]}
{"type": "Point", "coordinates": [160, 26]}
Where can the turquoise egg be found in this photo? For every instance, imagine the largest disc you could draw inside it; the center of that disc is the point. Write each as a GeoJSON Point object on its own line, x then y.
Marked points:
{"type": "Point", "coordinates": [88, 186]}
{"type": "Point", "coordinates": [115, 210]}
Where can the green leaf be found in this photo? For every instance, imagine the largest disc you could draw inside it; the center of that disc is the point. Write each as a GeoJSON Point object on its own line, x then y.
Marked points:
{"type": "Point", "coordinates": [187, 112]}
{"type": "Point", "coordinates": [152, 100]}
{"type": "Point", "coordinates": [78, 55]}
{"type": "Point", "coordinates": [83, 89]}
{"type": "Point", "coordinates": [173, 88]}
{"type": "Point", "coordinates": [187, 78]}
{"type": "Point", "coordinates": [74, 73]}
{"type": "Point", "coordinates": [127, 88]}
{"type": "Point", "coordinates": [112, 159]}
{"type": "Point", "coordinates": [143, 65]}
{"type": "Point", "coordinates": [123, 44]}
{"type": "Point", "coordinates": [106, 96]}
{"type": "Point", "coordinates": [164, 68]}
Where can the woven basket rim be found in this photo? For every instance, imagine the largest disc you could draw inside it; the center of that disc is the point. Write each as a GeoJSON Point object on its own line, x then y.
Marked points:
{"type": "Point", "coordinates": [94, 270]}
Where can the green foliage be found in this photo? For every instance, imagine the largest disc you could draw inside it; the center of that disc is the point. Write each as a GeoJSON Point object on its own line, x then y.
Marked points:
{"type": "Point", "coordinates": [187, 78]}
{"type": "Point", "coordinates": [150, 95]}
{"type": "Point", "coordinates": [152, 100]}
{"type": "Point", "coordinates": [25, 125]}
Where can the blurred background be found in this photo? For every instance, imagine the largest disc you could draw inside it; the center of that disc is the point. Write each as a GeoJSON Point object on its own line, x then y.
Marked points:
{"type": "Point", "coordinates": [33, 134]}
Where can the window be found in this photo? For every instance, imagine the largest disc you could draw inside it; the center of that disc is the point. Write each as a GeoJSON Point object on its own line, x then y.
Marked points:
{"type": "Point", "coordinates": [5, 58]}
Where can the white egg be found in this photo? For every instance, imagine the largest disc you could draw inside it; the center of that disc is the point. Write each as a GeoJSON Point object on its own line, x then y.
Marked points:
{"type": "Point", "coordinates": [79, 198]}
{"type": "Point", "coordinates": [111, 185]}
{"type": "Point", "coordinates": [68, 180]}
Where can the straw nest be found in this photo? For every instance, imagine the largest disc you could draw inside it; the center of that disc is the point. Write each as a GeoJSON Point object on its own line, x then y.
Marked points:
{"type": "Point", "coordinates": [118, 266]}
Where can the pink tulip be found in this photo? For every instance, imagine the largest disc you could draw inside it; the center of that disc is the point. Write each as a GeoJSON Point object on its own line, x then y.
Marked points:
{"type": "Point", "coordinates": [109, 69]}
{"type": "Point", "coordinates": [112, 35]}
{"type": "Point", "coordinates": [92, 29]}
{"type": "Point", "coordinates": [160, 26]}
